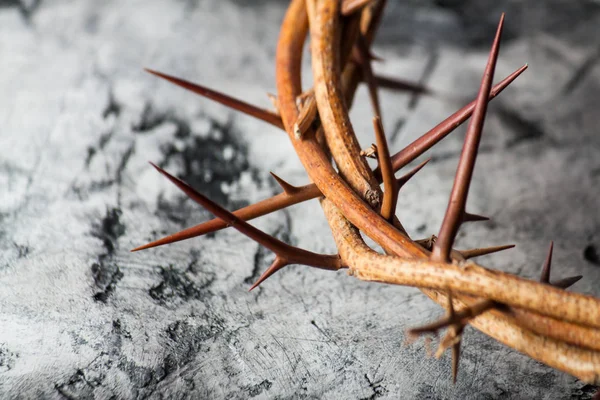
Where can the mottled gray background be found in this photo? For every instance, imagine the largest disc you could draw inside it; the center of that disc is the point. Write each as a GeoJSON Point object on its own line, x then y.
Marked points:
{"type": "Point", "coordinates": [81, 317]}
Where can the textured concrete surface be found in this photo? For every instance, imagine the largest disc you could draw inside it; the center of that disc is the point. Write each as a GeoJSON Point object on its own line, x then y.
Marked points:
{"type": "Point", "coordinates": [82, 317]}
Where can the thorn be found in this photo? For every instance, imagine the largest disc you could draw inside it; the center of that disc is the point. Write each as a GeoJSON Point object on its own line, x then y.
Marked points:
{"type": "Point", "coordinates": [266, 206]}
{"type": "Point", "coordinates": [467, 254]}
{"type": "Point", "coordinates": [395, 84]}
{"type": "Point", "coordinates": [466, 163]}
{"type": "Point", "coordinates": [307, 115]}
{"type": "Point", "coordinates": [287, 188]}
{"type": "Point", "coordinates": [455, 358]}
{"type": "Point", "coordinates": [473, 218]}
{"type": "Point", "coordinates": [283, 251]}
{"type": "Point", "coordinates": [444, 128]}
{"type": "Point", "coordinates": [567, 282]}
{"type": "Point", "coordinates": [277, 264]}
{"type": "Point", "coordinates": [545, 278]}
{"type": "Point", "coordinates": [361, 52]}
{"type": "Point", "coordinates": [247, 108]}
{"type": "Point", "coordinates": [350, 7]}
{"type": "Point", "coordinates": [403, 180]}
{"type": "Point", "coordinates": [390, 184]}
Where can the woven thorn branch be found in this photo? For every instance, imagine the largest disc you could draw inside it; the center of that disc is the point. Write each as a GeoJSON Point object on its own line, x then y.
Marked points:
{"type": "Point", "coordinates": [540, 319]}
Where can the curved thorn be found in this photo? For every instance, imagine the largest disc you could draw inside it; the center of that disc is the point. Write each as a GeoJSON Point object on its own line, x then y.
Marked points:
{"type": "Point", "coordinates": [277, 264]}
{"type": "Point", "coordinates": [545, 277]}
{"type": "Point", "coordinates": [467, 254]}
{"type": "Point", "coordinates": [247, 108]}
{"type": "Point", "coordinates": [287, 188]}
{"type": "Point", "coordinates": [466, 163]}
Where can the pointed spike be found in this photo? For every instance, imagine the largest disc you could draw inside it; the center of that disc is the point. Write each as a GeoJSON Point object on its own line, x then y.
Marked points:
{"type": "Point", "coordinates": [405, 178]}
{"type": "Point", "coordinates": [399, 85]}
{"type": "Point", "coordinates": [466, 163]}
{"type": "Point", "coordinates": [467, 254]}
{"type": "Point", "coordinates": [259, 236]}
{"type": "Point", "coordinates": [455, 360]}
{"type": "Point", "coordinates": [350, 7]}
{"type": "Point", "coordinates": [281, 249]}
{"type": "Point", "coordinates": [566, 283]}
{"type": "Point", "coordinates": [247, 108]}
{"type": "Point", "coordinates": [467, 217]}
{"type": "Point", "coordinates": [277, 264]}
{"type": "Point", "coordinates": [444, 128]}
{"type": "Point", "coordinates": [545, 278]}
{"type": "Point", "coordinates": [287, 188]}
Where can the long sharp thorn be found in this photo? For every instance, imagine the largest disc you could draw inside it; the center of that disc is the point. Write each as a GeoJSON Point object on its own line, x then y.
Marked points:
{"type": "Point", "coordinates": [545, 277]}
{"type": "Point", "coordinates": [481, 252]}
{"type": "Point", "coordinates": [287, 188]}
{"type": "Point", "coordinates": [390, 185]}
{"type": "Point", "coordinates": [247, 108]}
{"type": "Point", "coordinates": [403, 180]}
{"type": "Point", "coordinates": [566, 283]}
{"type": "Point", "coordinates": [466, 163]}
{"type": "Point", "coordinates": [444, 128]}
{"type": "Point", "coordinates": [264, 207]}
{"type": "Point", "coordinates": [362, 53]}
{"type": "Point", "coordinates": [349, 7]}
{"type": "Point", "coordinates": [283, 250]}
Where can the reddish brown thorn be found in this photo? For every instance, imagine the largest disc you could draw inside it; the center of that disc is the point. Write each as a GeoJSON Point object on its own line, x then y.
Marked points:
{"type": "Point", "coordinates": [390, 184]}
{"type": "Point", "coordinates": [481, 252]}
{"type": "Point", "coordinates": [277, 264]}
{"type": "Point", "coordinates": [349, 7]}
{"type": "Point", "coordinates": [566, 282]}
{"type": "Point", "coordinates": [444, 128]}
{"type": "Point", "coordinates": [395, 84]}
{"type": "Point", "coordinates": [466, 163]}
{"type": "Point", "coordinates": [456, 356]}
{"type": "Point", "coordinates": [285, 253]}
{"type": "Point", "coordinates": [262, 114]}
{"type": "Point", "coordinates": [545, 278]}
{"type": "Point", "coordinates": [267, 206]}
{"type": "Point", "coordinates": [287, 188]}
{"type": "Point", "coordinates": [361, 54]}
{"type": "Point", "coordinates": [403, 180]}
{"type": "Point", "coordinates": [467, 217]}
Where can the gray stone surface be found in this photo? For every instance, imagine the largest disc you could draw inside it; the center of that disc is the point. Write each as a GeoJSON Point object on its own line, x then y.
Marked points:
{"type": "Point", "coordinates": [82, 317]}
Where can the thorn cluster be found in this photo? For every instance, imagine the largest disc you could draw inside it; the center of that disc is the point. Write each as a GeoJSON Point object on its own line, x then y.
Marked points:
{"type": "Point", "coordinates": [540, 319]}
